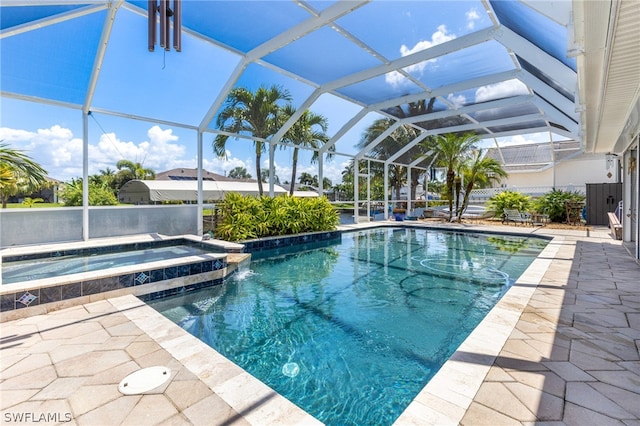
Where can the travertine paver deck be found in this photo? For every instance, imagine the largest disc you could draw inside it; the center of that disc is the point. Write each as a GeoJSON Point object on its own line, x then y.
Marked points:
{"type": "Point", "coordinates": [65, 367]}
{"type": "Point", "coordinates": [571, 359]}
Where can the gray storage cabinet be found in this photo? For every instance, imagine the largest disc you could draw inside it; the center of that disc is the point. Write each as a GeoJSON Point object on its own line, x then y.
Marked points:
{"type": "Point", "coordinates": [602, 198]}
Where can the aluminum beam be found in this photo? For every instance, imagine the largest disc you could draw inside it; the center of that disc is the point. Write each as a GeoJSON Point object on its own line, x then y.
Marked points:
{"type": "Point", "coordinates": [550, 94]}
{"type": "Point", "coordinates": [522, 47]}
{"type": "Point", "coordinates": [51, 20]}
{"type": "Point", "coordinates": [344, 129]}
{"type": "Point", "coordinates": [405, 61]}
{"type": "Point", "coordinates": [102, 48]}
{"type": "Point", "coordinates": [377, 141]}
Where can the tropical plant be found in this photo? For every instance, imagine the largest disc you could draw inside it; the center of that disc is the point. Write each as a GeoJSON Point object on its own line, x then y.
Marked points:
{"type": "Point", "coordinates": [137, 170]}
{"type": "Point", "coordinates": [129, 170]}
{"type": "Point", "coordinates": [98, 194]}
{"type": "Point", "coordinates": [308, 180]}
{"type": "Point", "coordinates": [376, 181]}
{"type": "Point", "coordinates": [449, 151]}
{"type": "Point", "coordinates": [309, 131]}
{"type": "Point", "coordinates": [326, 183]}
{"type": "Point", "coordinates": [239, 173]}
{"type": "Point", "coordinates": [245, 217]}
{"type": "Point", "coordinates": [252, 113]}
{"type": "Point", "coordinates": [509, 200]}
{"type": "Point", "coordinates": [30, 202]}
{"type": "Point", "coordinates": [18, 173]}
{"type": "Point", "coordinates": [553, 204]}
{"type": "Point", "coordinates": [479, 171]}
{"type": "Point", "coordinates": [264, 177]}
{"type": "Point", "coordinates": [398, 138]}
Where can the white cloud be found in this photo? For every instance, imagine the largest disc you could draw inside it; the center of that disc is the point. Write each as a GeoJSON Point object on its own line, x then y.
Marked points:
{"type": "Point", "coordinates": [525, 139]}
{"type": "Point", "coordinates": [55, 149]}
{"type": "Point", "coordinates": [59, 152]}
{"type": "Point", "coordinates": [457, 101]}
{"type": "Point", "coordinates": [472, 16]}
{"type": "Point", "coordinates": [501, 90]}
{"type": "Point", "coordinates": [442, 35]}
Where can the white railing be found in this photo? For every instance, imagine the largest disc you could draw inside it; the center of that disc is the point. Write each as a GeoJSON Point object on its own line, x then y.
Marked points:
{"type": "Point", "coordinates": [534, 191]}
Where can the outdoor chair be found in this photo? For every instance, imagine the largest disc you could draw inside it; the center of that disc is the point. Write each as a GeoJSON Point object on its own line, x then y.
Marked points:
{"type": "Point", "coordinates": [516, 216]}
{"type": "Point", "coordinates": [479, 215]}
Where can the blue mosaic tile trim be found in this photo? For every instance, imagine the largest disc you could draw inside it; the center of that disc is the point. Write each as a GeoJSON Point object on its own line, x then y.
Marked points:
{"type": "Point", "coordinates": [280, 243]}
{"type": "Point", "coordinates": [27, 299]}
{"type": "Point", "coordinates": [24, 299]}
{"type": "Point", "coordinates": [115, 248]}
{"type": "Point", "coordinates": [179, 290]}
{"type": "Point", "coordinates": [141, 278]}
{"type": "Point", "coordinates": [10, 302]}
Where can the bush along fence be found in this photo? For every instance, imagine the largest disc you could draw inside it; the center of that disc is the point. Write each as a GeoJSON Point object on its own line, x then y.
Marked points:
{"type": "Point", "coordinates": [242, 217]}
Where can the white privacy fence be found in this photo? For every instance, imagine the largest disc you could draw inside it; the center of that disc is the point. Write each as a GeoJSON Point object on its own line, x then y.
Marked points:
{"type": "Point", "coordinates": [64, 224]}
{"type": "Point", "coordinates": [534, 191]}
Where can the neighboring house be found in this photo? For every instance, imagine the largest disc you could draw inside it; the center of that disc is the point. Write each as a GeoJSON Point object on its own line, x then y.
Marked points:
{"type": "Point", "coordinates": [532, 165]}
{"type": "Point", "coordinates": [49, 194]}
{"type": "Point", "coordinates": [192, 174]}
{"type": "Point", "coordinates": [180, 185]}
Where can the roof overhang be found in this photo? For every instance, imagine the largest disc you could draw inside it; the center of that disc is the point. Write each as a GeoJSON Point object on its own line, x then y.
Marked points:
{"type": "Point", "coordinates": [607, 37]}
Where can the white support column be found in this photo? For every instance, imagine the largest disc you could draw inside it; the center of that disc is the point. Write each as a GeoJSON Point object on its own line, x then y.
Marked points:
{"type": "Point", "coordinates": [85, 176]}
{"type": "Point", "coordinates": [369, 188]}
{"type": "Point", "coordinates": [386, 189]}
{"type": "Point", "coordinates": [408, 190]}
{"type": "Point", "coordinates": [356, 188]}
{"type": "Point", "coordinates": [272, 156]}
{"type": "Point", "coordinates": [199, 226]}
{"type": "Point", "coordinates": [320, 175]}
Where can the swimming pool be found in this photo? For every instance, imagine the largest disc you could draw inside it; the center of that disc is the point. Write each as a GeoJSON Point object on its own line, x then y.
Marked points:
{"type": "Point", "coordinates": [352, 332]}
{"type": "Point", "coordinates": [56, 264]}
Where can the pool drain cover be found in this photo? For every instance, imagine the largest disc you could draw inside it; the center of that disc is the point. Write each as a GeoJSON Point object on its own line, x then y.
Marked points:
{"type": "Point", "coordinates": [144, 380]}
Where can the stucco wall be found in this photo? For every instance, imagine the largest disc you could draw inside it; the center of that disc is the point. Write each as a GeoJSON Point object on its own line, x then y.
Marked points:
{"type": "Point", "coordinates": [578, 172]}
{"type": "Point", "coordinates": [54, 225]}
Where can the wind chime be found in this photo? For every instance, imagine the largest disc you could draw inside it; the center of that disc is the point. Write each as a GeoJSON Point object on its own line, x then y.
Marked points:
{"type": "Point", "coordinates": [163, 9]}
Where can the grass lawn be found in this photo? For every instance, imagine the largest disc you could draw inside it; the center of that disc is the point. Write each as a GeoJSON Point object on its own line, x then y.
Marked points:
{"type": "Point", "coordinates": [35, 205]}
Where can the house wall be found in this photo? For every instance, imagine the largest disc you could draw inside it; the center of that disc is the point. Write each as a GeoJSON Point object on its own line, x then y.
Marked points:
{"type": "Point", "coordinates": [54, 225]}
{"type": "Point", "coordinates": [587, 168]}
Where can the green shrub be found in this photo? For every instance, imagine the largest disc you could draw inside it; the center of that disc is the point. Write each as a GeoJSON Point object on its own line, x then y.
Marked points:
{"type": "Point", "coordinates": [245, 217]}
{"type": "Point", "coordinates": [553, 204]}
{"type": "Point", "coordinates": [98, 195]}
{"type": "Point", "coordinates": [508, 200]}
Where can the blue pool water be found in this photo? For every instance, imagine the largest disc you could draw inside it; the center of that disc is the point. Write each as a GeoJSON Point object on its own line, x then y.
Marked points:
{"type": "Point", "coordinates": [352, 332]}
{"type": "Point", "coordinates": [53, 266]}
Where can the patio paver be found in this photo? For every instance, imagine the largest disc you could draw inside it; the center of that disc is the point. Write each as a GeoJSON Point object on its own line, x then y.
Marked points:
{"type": "Point", "coordinates": [571, 359]}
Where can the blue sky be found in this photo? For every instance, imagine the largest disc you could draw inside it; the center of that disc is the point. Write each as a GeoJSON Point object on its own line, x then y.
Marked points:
{"type": "Point", "coordinates": [180, 87]}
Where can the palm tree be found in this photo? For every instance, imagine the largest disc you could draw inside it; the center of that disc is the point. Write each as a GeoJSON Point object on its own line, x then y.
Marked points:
{"type": "Point", "coordinates": [307, 179]}
{"type": "Point", "coordinates": [401, 136]}
{"type": "Point", "coordinates": [137, 170]}
{"type": "Point", "coordinates": [253, 113]}
{"type": "Point", "coordinates": [129, 170]}
{"type": "Point", "coordinates": [480, 171]}
{"type": "Point", "coordinates": [18, 173]}
{"type": "Point", "coordinates": [239, 173]}
{"type": "Point", "coordinates": [449, 150]}
{"type": "Point", "coordinates": [308, 132]}
{"type": "Point", "coordinates": [265, 177]}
